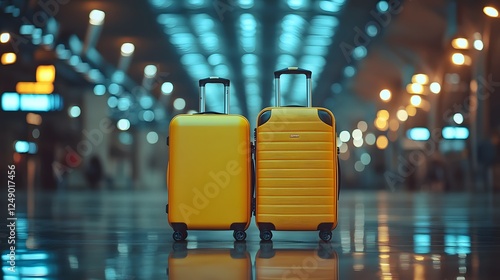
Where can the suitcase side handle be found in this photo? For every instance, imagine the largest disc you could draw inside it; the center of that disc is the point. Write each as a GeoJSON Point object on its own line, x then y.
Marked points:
{"type": "Point", "coordinates": [294, 71]}
{"type": "Point", "coordinates": [214, 80]}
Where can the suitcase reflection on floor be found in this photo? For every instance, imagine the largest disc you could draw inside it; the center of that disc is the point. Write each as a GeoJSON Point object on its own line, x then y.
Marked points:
{"type": "Point", "coordinates": [320, 263]}
{"type": "Point", "coordinates": [187, 264]}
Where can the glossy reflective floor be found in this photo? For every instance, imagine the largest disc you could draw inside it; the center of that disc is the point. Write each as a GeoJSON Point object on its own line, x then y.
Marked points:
{"type": "Point", "coordinates": [381, 235]}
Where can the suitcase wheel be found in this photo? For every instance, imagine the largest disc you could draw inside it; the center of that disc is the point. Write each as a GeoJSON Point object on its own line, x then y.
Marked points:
{"type": "Point", "coordinates": [266, 235]}
{"type": "Point", "coordinates": [179, 235]}
{"type": "Point", "coordinates": [325, 235]}
{"type": "Point", "coordinates": [239, 235]}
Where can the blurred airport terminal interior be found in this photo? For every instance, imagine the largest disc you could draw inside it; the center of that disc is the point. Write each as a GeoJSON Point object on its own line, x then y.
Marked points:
{"type": "Point", "coordinates": [88, 87]}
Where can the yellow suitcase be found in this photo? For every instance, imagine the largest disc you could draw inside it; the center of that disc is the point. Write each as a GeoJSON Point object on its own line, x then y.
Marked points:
{"type": "Point", "coordinates": [296, 166]}
{"type": "Point", "coordinates": [209, 264]}
{"type": "Point", "coordinates": [209, 171]}
{"type": "Point", "coordinates": [319, 264]}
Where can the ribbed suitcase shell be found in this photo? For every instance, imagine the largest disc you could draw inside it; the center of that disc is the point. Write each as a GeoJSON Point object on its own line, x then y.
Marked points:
{"type": "Point", "coordinates": [209, 172]}
{"type": "Point", "coordinates": [296, 264]}
{"type": "Point", "coordinates": [209, 264]}
{"type": "Point", "coordinates": [296, 165]}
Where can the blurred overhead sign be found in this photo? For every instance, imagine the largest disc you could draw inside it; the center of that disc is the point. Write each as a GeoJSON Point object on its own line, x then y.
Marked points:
{"type": "Point", "coordinates": [45, 76]}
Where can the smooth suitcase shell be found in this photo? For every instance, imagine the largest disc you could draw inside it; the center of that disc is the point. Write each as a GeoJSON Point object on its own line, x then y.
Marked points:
{"type": "Point", "coordinates": [209, 173]}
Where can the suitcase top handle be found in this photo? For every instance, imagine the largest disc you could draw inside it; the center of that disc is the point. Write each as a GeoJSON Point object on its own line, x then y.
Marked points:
{"type": "Point", "coordinates": [294, 71]}
{"type": "Point", "coordinates": [214, 80]}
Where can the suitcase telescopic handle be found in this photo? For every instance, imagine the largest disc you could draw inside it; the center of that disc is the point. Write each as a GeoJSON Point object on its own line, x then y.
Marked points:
{"type": "Point", "coordinates": [214, 80]}
{"type": "Point", "coordinates": [295, 71]}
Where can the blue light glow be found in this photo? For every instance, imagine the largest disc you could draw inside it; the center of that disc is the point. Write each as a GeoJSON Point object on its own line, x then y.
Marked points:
{"type": "Point", "coordinates": [383, 6]}
{"type": "Point", "coordinates": [296, 4]}
{"type": "Point", "coordinates": [359, 52]}
{"type": "Point", "coordinates": [35, 103]}
{"type": "Point", "coordinates": [371, 30]}
{"type": "Point", "coordinates": [460, 133]}
{"type": "Point", "coordinates": [10, 101]}
{"type": "Point", "coordinates": [215, 59]}
{"type": "Point", "coordinates": [418, 134]}
{"type": "Point", "coordinates": [349, 71]}
{"type": "Point", "coordinates": [329, 6]}
{"type": "Point", "coordinates": [22, 147]}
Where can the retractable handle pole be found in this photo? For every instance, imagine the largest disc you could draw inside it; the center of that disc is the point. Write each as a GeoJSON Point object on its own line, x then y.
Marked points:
{"type": "Point", "coordinates": [214, 80]}
{"type": "Point", "coordinates": [294, 71]}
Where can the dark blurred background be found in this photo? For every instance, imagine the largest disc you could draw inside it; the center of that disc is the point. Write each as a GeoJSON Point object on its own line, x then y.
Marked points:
{"type": "Point", "coordinates": [88, 87]}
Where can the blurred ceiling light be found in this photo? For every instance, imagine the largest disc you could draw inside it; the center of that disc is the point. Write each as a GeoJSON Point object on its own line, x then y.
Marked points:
{"type": "Point", "coordinates": [74, 111]}
{"type": "Point", "coordinates": [458, 59]}
{"type": "Point", "coordinates": [127, 49]}
{"type": "Point", "coordinates": [4, 37]}
{"type": "Point", "coordinates": [460, 43]}
{"type": "Point", "coordinates": [358, 143]}
{"type": "Point", "coordinates": [478, 45]}
{"type": "Point", "coordinates": [46, 73]}
{"type": "Point", "coordinates": [362, 125]}
{"type": "Point", "coordinates": [34, 119]}
{"type": "Point", "coordinates": [99, 89]}
{"type": "Point", "coordinates": [370, 139]}
{"type": "Point", "coordinates": [420, 79]}
{"type": "Point", "coordinates": [96, 17]}
{"type": "Point", "coordinates": [150, 71]}
{"type": "Point", "coordinates": [192, 112]}
{"type": "Point", "coordinates": [344, 136]}
{"type": "Point", "coordinates": [393, 125]}
{"type": "Point", "coordinates": [458, 118]}
{"type": "Point", "coordinates": [418, 134]}
{"type": "Point", "coordinates": [435, 87]}
{"type": "Point", "coordinates": [366, 158]}
{"type": "Point", "coordinates": [9, 58]}
{"type": "Point", "coordinates": [416, 100]}
{"type": "Point", "coordinates": [385, 95]}
{"type": "Point", "coordinates": [381, 124]}
{"type": "Point", "coordinates": [402, 115]}
{"type": "Point", "coordinates": [152, 137]}
{"type": "Point", "coordinates": [411, 110]}
{"type": "Point", "coordinates": [357, 134]}
{"type": "Point", "coordinates": [167, 88]}
{"type": "Point", "coordinates": [296, 4]}
{"type": "Point", "coordinates": [34, 88]}
{"type": "Point", "coordinates": [382, 142]}
{"type": "Point", "coordinates": [123, 124]}
{"type": "Point", "coordinates": [457, 133]}
{"type": "Point", "coordinates": [383, 114]}
{"type": "Point", "coordinates": [371, 30]}
{"type": "Point", "coordinates": [383, 6]}
{"type": "Point", "coordinates": [179, 104]}
{"type": "Point", "coordinates": [490, 11]}
{"type": "Point", "coordinates": [415, 88]}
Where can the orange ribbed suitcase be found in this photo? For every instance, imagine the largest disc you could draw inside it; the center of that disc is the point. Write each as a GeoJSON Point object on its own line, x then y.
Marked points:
{"type": "Point", "coordinates": [201, 264]}
{"type": "Point", "coordinates": [320, 263]}
{"type": "Point", "coordinates": [209, 170]}
{"type": "Point", "coordinates": [296, 166]}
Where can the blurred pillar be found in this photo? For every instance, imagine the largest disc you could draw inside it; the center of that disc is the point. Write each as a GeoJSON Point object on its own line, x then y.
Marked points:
{"type": "Point", "coordinates": [479, 110]}
{"type": "Point", "coordinates": [97, 129]}
{"type": "Point", "coordinates": [150, 159]}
